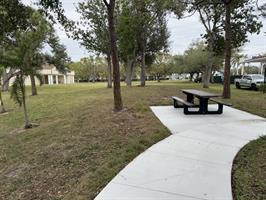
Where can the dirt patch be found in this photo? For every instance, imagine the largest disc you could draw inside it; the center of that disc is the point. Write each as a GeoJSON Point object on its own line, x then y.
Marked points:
{"type": "Point", "coordinates": [17, 131]}
{"type": "Point", "coordinates": [15, 171]}
{"type": "Point", "coordinates": [3, 114]}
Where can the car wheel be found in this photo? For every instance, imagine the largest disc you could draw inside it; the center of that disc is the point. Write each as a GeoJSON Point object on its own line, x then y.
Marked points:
{"type": "Point", "coordinates": [238, 86]}
{"type": "Point", "coordinates": [254, 87]}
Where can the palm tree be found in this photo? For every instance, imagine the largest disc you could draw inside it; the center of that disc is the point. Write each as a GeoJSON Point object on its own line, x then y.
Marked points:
{"type": "Point", "coordinates": [236, 59]}
{"type": "Point", "coordinates": [28, 42]}
{"type": "Point", "coordinates": [18, 94]}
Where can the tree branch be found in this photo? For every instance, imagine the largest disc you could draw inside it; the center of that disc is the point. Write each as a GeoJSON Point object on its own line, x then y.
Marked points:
{"type": "Point", "coordinates": [106, 3]}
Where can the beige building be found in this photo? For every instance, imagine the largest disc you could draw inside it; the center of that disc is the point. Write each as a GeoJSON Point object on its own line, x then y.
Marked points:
{"type": "Point", "coordinates": [51, 76]}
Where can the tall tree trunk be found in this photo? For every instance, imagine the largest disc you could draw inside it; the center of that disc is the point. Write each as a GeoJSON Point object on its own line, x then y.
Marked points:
{"type": "Point", "coordinates": [109, 66]}
{"type": "Point", "coordinates": [33, 85]}
{"type": "Point", "coordinates": [26, 117]}
{"type": "Point", "coordinates": [2, 107]}
{"type": "Point", "coordinates": [208, 69]}
{"type": "Point", "coordinates": [227, 66]}
{"type": "Point", "coordinates": [129, 71]}
{"type": "Point", "coordinates": [118, 104]}
{"type": "Point", "coordinates": [143, 69]}
{"type": "Point", "coordinates": [158, 79]}
{"type": "Point", "coordinates": [94, 74]}
{"type": "Point", "coordinates": [5, 85]}
{"type": "Point", "coordinates": [191, 76]}
{"type": "Point", "coordinates": [6, 78]}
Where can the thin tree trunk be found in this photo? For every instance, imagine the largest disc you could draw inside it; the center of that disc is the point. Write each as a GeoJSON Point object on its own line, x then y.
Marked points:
{"type": "Point", "coordinates": [158, 79]}
{"type": "Point", "coordinates": [208, 69]}
{"type": "Point", "coordinates": [129, 72]}
{"type": "Point", "coordinates": [143, 70]}
{"type": "Point", "coordinates": [5, 85]}
{"type": "Point", "coordinates": [6, 78]}
{"type": "Point", "coordinates": [33, 85]}
{"type": "Point", "coordinates": [227, 66]}
{"type": "Point", "coordinates": [25, 111]}
{"type": "Point", "coordinates": [26, 117]}
{"type": "Point", "coordinates": [94, 74]}
{"type": "Point", "coordinates": [2, 110]}
{"type": "Point", "coordinates": [191, 76]}
{"type": "Point", "coordinates": [109, 66]}
{"type": "Point", "coordinates": [118, 104]}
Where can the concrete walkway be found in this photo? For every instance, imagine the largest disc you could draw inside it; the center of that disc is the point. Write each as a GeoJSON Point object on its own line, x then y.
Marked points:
{"type": "Point", "coordinates": [193, 163]}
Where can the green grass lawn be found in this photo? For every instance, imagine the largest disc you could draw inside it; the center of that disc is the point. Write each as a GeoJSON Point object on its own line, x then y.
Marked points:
{"type": "Point", "coordinates": [81, 143]}
{"type": "Point", "coordinates": [249, 171]}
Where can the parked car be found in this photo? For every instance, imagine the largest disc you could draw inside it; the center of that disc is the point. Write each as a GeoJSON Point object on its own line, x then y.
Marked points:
{"type": "Point", "coordinates": [252, 81]}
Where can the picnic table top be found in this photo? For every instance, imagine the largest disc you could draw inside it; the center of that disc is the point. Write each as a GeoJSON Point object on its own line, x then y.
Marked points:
{"type": "Point", "coordinates": [200, 93]}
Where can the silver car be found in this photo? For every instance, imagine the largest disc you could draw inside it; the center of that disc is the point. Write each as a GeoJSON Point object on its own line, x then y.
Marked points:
{"type": "Point", "coordinates": [252, 81]}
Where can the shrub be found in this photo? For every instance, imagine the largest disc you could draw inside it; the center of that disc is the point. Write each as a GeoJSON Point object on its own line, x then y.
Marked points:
{"type": "Point", "coordinates": [262, 88]}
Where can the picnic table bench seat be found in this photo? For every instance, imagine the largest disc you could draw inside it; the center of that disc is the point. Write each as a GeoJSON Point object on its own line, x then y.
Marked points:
{"type": "Point", "coordinates": [218, 101]}
{"type": "Point", "coordinates": [178, 101]}
{"type": "Point", "coordinates": [220, 105]}
{"type": "Point", "coordinates": [181, 103]}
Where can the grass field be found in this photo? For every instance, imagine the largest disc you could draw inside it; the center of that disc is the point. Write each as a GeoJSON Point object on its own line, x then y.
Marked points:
{"type": "Point", "coordinates": [249, 171]}
{"type": "Point", "coordinates": [81, 143]}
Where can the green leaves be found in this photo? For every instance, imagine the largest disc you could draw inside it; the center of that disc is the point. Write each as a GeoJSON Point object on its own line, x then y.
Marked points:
{"type": "Point", "coordinates": [60, 58]}
{"type": "Point", "coordinates": [92, 29]}
{"type": "Point", "coordinates": [18, 90]}
{"type": "Point", "coordinates": [13, 16]}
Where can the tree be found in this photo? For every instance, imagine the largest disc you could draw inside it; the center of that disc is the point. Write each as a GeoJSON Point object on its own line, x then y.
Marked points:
{"type": "Point", "coordinates": [210, 16]}
{"type": "Point", "coordinates": [195, 60]}
{"type": "Point", "coordinates": [228, 49]}
{"type": "Point", "coordinates": [262, 8]}
{"type": "Point", "coordinates": [2, 107]}
{"type": "Point", "coordinates": [118, 104]}
{"type": "Point", "coordinates": [80, 71]}
{"type": "Point", "coordinates": [152, 31]}
{"type": "Point", "coordinates": [237, 57]}
{"type": "Point", "coordinates": [56, 7]}
{"type": "Point", "coordinates": [28, 42]}
{"type": "Point", "coordinates": [162, 66]}
{"type": "Point", "coordinates": [13, 16]}
{"type": "Point", "coordinates": [127, 33]}
{"type": "Point", "coordinates": [95, 37]}
{"type": "Point", "coordinates": [59, 57]}
{"type": "Point", "coordinates": [90, 69]}
{"type": "Point", "coordinates": [38, 60]}
{"type": "Point", "coordinates": [235, 18]}
{"type": "Point", "coordinates": [240, 20]}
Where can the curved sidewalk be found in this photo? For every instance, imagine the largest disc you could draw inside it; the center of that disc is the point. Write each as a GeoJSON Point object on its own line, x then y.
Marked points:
{"type": "Point", "coordinates": [193, 163]}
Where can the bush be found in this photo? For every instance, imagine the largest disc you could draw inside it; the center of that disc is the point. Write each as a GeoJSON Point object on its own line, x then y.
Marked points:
{"type": "Point", "coordinates": [262, 88]}
{"type": "Point", "coordinates": [217, 79]}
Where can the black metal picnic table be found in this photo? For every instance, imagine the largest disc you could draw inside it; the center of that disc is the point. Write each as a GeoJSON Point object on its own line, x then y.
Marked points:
{"type": "Point", "coordinates": [204, 98]}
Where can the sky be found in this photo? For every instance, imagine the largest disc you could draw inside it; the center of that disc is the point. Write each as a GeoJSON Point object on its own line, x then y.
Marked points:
{"type": "Point", "coordinates": [183, 33]}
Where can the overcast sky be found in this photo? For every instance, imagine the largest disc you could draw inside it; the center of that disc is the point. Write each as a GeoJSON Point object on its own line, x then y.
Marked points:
{"type": "Point", "coordinates": [183, 32]}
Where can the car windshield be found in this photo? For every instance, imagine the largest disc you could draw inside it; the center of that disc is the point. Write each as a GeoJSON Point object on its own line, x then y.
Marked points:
{"type": "Point", "coordinates": [257, 77]}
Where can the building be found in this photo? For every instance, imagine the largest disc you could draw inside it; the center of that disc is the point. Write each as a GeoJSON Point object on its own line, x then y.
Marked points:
{"type": "Point", "coordinates": [260, 60]}
{"type": "Point", "coordinates": [51, 76]}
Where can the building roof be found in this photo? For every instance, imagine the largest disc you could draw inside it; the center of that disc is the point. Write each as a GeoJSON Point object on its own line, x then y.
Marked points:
{"type": "Point", "coordinates": [256, 60]}
{"type": "Point", "coordinates": [47, 66]}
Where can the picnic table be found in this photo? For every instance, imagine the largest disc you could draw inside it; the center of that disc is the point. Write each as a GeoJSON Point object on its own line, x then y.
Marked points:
{"type": "Point", "coordinates": [204, 98]}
